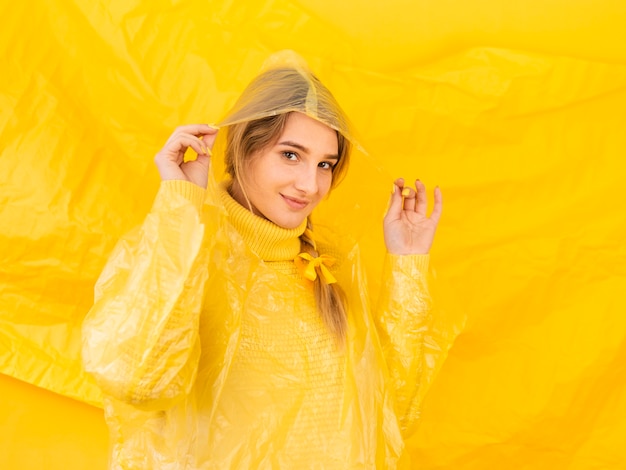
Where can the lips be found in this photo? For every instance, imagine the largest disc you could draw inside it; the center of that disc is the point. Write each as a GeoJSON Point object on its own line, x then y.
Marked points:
{"type": "Point", "coordinates": [294, 202]}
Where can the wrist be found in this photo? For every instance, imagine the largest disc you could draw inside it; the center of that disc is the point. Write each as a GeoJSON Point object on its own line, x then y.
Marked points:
{"type": "Point", "coordinates": [412, 263]}
{"type": "Point", "coordinates": [401, 252]}
{"type": "Point", "coordinates": [188, 190]}
{"type": "Point", "coordinates": [171, 173]}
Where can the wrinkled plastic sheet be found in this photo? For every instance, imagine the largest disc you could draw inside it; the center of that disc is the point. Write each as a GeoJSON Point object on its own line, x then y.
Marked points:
{"type": "Point", "coordinates": [516, 112]}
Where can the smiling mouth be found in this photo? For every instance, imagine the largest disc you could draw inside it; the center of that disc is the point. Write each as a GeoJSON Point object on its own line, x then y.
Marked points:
{"type": "Point", "coordinates": [295, 203]}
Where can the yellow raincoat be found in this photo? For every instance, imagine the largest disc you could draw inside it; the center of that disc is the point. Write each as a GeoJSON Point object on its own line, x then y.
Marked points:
{"type": "Point", "coordinates": [208, 346]}
{"type": "Point", "coordinates": [210, 356]}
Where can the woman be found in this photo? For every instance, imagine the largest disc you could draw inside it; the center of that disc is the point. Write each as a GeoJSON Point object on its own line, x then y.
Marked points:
{"type": "Point", "coordinates": [228, 332]}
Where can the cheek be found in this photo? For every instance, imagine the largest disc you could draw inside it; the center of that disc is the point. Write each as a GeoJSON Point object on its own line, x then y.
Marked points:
{"type": "Point", "coordinates": [258, 180]}
{"type": "Point", "coordinates": [324, 184]}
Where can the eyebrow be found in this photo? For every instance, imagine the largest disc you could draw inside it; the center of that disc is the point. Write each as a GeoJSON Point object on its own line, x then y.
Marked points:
{"type": "Point", "coordinates": [306, 150]}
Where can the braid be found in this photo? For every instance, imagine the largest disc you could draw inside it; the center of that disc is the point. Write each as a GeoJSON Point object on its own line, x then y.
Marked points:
{"type": "Point", "coordinates": [329, 298]}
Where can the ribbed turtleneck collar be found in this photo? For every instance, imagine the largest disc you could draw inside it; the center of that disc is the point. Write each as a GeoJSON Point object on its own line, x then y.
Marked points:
{"type": "Point", "coordinates": [269, 241]}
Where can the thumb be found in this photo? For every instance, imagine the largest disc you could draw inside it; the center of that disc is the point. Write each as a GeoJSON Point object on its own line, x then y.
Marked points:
{"type": "Point", "coordinates": [209, 137]}
{"type": "Point", "coordinates": [395, 203]}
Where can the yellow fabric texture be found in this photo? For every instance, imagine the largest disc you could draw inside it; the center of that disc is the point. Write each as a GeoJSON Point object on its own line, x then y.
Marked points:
{"type": "Point", "coordinates": [211, 353]}
{"type": "Point", "coordinates": [515, 109]}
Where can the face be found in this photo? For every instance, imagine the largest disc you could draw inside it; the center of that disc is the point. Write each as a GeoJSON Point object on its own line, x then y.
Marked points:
{"type": "Point", "coordinates": [286, 181]}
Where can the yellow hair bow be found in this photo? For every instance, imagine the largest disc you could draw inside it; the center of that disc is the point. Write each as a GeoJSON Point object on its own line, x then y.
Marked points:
{"type": "Point", "coordinates": [310, 267]}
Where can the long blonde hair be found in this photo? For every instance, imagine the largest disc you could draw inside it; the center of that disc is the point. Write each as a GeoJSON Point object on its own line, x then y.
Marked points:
{"type": "Point", "coordinates": [285, 91]}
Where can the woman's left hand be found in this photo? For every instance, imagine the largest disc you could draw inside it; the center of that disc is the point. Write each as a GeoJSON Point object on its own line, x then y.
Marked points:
{"type": "Point", "coordinates": [406, 227]}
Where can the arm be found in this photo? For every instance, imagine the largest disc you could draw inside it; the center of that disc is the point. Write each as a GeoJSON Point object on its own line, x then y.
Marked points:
{"type": "Point", "coordinates": [140, 336]}
{"type": "Point", "coordinates": [404, 309]}
{"type": "Point", "coordinates": [403, 319]}
{"type": "Point", "coordinates": [140, 339]}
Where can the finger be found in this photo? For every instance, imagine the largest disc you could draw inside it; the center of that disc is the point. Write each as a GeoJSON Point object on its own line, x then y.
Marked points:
{"type": "Point", "coordinates": [438, 206]}
{"type": "Point", "coordinates": [206, 149]}
{"type": "Point", "coordinates": [395, 203]}
{"type": "Point", "coordinates": [209, 140]}
{"type": "Point", "coordinates": [409, 198]}
{"type": "Point", "coordinates": [184, 141]}
{"type": "Point", "coordinates": [422, 203]}
{"type": "Point", "coordinates": [199, 155]}
{"type": "Point", "coordinates": [197, 130]}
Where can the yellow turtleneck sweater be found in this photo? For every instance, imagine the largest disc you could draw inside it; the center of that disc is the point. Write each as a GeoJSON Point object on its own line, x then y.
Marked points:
{"type": "Point", "coordinates": [211, 353]}
{"type": "Point", "coordinates": [287, 363]}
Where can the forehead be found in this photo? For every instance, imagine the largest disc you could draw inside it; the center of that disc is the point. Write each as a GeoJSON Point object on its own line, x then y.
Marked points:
{"type": "Point", "coordinates": [310, 133]}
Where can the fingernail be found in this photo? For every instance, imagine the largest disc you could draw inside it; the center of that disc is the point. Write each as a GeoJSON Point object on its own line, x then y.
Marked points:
{"type": "Point", "coordinates": [213, 126]}
{"type": "Point", "coordinates": [406, 192]}
{"type": "Point", "coordinates": [209, 152]}
{"type": "Point", "coordinates": [393, 189]}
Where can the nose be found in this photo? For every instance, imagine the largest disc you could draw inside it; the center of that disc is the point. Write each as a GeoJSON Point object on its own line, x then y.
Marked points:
{"type": "Point", "coordinates": [306, 180]}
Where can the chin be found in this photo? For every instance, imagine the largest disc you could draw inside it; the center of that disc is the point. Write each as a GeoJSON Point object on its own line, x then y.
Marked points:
{"type": "Point", "coordinates": [288, 223]}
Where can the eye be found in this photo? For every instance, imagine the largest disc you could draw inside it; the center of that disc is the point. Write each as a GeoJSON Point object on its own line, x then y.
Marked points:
{"type": "Point", "coordinates": [326, 165]}
{"type": "Point", "coordinates": [291, 156]}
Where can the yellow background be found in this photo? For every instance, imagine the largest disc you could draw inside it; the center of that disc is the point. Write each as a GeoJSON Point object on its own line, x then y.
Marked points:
{"type": "Point", "coordinates": [516, 109]}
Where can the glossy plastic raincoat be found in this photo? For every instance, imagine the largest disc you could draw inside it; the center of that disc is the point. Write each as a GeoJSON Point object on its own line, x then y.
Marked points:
{"type": "Point", "coordinates": [208, 354]}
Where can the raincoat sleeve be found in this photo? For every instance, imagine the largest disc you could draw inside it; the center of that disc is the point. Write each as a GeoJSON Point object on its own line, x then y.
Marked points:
{"type": "Point", "coordinates": [403, 319]}
{"type": "Point", "coordinates": [140, 338]}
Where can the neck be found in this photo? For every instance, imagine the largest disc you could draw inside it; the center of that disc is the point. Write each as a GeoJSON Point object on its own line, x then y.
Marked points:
{"type": "Point", "coordinates": [238, 194]}
{"type": "Point", "coordinates": [266, 239]}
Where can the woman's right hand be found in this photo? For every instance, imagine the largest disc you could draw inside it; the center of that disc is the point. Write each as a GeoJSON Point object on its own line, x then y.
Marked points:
{"type": "Point", "coordinates": [170, 159]}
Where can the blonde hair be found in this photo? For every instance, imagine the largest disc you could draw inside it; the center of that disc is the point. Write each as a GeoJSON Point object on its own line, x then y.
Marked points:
{"type": "Point", "coordinates": [245, 138]}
